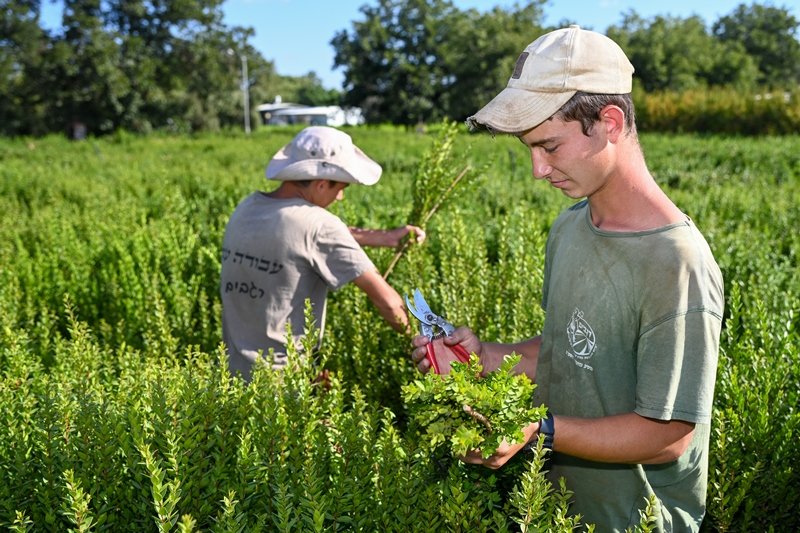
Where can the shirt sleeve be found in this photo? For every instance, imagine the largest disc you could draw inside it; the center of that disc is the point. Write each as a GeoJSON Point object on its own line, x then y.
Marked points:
{"type": "Point", "coordinates": [336, 256]}
{"type": "Point", "coordinates": [676, 367]}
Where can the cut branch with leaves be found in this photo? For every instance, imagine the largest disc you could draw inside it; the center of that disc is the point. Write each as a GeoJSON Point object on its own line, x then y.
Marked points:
{"type": "Point", "coordinates": [431, 187]}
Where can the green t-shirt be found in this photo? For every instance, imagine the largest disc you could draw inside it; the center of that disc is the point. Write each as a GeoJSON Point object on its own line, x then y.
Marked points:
{"type": "Point", "coordinates": [632, 325]}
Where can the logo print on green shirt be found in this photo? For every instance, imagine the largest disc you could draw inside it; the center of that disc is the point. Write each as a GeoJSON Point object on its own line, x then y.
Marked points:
{"type": "Point", "coordinates": [581, 340]}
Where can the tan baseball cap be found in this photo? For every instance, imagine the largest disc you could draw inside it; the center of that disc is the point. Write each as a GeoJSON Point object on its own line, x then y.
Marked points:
{"type": "Point", "coordinates": [549, 72]}
{"type": "Point", "coordinates": [323, 153]}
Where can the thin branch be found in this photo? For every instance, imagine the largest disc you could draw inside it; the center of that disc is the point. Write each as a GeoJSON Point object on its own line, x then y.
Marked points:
{"type": "Point", "coordinates": [425, 220]}
{"type": "Point", "coordinates": [444, 196]}
{"type": "Point", "coordinates": [478, 417]}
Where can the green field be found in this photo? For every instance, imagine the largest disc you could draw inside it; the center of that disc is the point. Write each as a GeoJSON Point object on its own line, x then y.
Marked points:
{"type": "Point", "coordinates": [116, 413]}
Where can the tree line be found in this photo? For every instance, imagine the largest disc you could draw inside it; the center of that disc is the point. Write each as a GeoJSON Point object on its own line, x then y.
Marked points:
{"type": "Point", "coordinates": [143, 65]}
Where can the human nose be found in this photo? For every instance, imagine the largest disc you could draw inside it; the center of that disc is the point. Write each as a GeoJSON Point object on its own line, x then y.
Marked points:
{"type": "Point", "coordinates": [340, 195]}
{"type": "Point", "coordinates": [541, 167]}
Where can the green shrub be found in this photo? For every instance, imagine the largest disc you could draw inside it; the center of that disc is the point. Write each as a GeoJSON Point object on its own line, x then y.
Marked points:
{"type": "Point", "coordinates": [719, 111]}
{"type": "Point", "coordinates": [116, 413]}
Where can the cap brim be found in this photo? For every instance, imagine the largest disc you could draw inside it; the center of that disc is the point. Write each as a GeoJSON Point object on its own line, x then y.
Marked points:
{"type": "Point", "coordinates": [518, 110]}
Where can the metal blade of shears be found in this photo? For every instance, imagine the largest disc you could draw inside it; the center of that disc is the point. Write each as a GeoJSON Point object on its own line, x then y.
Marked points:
{"type": "Point", "coordinates": [423, 308]}
{"type": "Point", "coordinates": [423, 313]}
{"type": "Point", "coordinates": [412, 308]}
{"type": "Point", "coordinates": [432, 319]}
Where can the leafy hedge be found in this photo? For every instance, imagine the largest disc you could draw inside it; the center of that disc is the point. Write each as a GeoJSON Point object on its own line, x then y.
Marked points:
{"type": "Point", "coordinates": [116, 415]}
{"type": "Point", "coordinates": [720, 111]}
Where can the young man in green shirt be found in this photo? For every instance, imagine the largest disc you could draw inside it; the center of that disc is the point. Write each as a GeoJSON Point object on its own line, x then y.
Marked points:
{"type": "Point", "coordinates": [633, 297]}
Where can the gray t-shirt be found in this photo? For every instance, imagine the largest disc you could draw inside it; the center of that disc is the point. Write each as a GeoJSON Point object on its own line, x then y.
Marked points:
{"type": "Point", "coordinates": [277, 253]}
{"type": "Point", "coordinates": [632, 325]}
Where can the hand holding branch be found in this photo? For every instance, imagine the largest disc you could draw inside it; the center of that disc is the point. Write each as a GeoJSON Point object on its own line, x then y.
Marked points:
{"type": "Point", "coordinates": [391, 238]}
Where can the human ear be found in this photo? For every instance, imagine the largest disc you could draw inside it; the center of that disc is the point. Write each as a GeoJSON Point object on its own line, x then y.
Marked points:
{"type": "Point", "coordinates": [613, 120]}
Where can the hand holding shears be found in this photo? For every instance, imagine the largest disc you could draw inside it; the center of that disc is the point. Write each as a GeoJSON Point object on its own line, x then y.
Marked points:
{"type": "Point", "coordinates": [434, 327]}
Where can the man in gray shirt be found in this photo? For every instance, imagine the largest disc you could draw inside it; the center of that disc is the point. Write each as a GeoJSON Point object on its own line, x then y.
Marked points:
{"type": "Point", "coordinates": [284, 247]}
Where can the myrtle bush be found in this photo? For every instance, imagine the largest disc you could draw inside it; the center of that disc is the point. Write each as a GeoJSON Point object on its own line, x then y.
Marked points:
{"type": "Point", "coordinates": [116, 413]}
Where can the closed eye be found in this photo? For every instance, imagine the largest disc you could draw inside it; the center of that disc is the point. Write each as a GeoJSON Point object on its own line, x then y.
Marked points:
{"type": "Point", "coordinates": [549, 145]}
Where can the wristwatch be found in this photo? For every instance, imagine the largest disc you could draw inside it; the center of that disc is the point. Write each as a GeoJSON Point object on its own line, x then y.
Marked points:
{"type": "Point", "coordinates": [547, 429]}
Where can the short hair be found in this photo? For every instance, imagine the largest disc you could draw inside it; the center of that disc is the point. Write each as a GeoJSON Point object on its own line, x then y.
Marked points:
{"type": "Point", "coordinates": [585, 108]}
{"type": "Point", "coordinates": [306, 183]}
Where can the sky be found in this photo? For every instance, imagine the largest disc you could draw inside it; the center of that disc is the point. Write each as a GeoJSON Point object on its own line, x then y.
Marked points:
{"type": "Point", "coordinates": [295, 34]}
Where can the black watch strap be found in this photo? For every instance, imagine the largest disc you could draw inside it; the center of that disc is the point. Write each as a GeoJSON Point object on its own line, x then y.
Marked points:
{"type": "Point", "coordinates": [547, 430]}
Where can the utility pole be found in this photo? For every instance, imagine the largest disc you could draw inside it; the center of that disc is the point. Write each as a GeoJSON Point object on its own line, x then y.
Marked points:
{"type": "Point", "coordinates": [246, 95]}
{"type": "Point", "coordinates": [245, 85]}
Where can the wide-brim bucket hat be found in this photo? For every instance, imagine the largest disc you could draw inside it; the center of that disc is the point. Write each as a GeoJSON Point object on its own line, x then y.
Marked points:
{"type": "Point", "coordinates": [323, 153]}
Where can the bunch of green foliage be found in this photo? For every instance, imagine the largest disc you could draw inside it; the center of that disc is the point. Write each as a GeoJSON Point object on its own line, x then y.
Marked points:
{"type": "Point", "coordinates": [434, 178]}
{"type": "Point", "coordinates": [467, 411]}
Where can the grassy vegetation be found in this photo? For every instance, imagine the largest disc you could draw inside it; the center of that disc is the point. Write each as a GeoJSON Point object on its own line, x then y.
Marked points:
{"type": "Point", "coordinates": [115, 413]}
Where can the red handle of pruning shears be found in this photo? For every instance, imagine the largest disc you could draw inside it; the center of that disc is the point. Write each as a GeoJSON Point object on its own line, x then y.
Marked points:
{"type": "Point", "coordinates": [460, 351]}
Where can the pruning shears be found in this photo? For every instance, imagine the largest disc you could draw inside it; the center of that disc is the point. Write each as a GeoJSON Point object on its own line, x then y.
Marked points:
{"type": "Point", "coordinates": [433, 326]}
